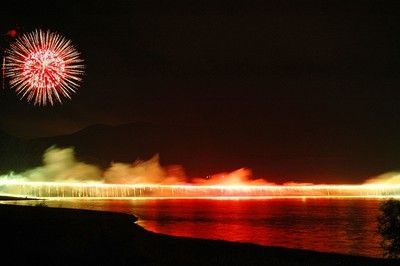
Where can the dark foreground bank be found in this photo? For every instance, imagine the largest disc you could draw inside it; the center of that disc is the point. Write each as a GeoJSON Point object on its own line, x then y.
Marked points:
{"type": "Point", "coordinates": [43, 236]}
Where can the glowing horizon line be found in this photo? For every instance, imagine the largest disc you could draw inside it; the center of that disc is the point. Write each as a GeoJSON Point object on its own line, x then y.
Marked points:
{"type": "Point", "coordinates": [97, 190]}
{"type": "Point", "coordinates": [190, 185]}
{"type": "Point", "coordinates": [205, 197]}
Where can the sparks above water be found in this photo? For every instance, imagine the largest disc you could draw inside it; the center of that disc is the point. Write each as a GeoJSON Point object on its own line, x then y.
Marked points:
{"type": "Point", "coordinates": [62, 176]}
{"type": "Point", "coordinates": [102, 190]}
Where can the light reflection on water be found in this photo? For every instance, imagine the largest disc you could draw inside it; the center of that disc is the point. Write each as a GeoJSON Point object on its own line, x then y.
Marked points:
{"type": "Point", "coordinates": [333, 225]}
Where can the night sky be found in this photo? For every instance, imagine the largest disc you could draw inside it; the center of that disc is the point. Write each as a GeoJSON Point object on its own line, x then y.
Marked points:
{"type": "Point", "coordinates": [319, 79]}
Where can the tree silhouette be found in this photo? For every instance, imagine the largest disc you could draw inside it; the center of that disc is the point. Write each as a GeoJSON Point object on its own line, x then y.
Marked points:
{"type": "Point", "coordinates": [389, 228]}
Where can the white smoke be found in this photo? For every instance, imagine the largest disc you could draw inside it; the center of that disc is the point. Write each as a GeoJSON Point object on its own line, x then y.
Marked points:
{"type": "Point", "coordinates": [241, 176]}
{"type": "Point", "coordinates": [386, 178]}
{"type": "Point", "coordinates": [144, 172]}
{"type": "Point", "coordinates": [61, 165]}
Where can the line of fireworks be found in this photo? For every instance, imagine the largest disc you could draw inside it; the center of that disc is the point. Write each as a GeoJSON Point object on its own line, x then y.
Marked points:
{"type": "Point", "coordinates": [102, 190]}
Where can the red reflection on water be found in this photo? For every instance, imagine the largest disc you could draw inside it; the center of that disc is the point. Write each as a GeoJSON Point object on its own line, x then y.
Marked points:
{"type": "Point", "coordinates": [342, 226]}
{"type": "Point", "coordinates": [346, 226]}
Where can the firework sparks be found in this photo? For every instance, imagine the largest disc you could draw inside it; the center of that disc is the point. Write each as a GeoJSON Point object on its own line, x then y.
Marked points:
{"type": "Point", "coordinates": [14, 187]}
{"type": "Point", "coordinates": [43, 67]}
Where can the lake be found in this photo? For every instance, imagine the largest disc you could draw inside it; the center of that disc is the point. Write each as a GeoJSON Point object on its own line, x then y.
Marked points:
{"type": "Point", "coordinates": [346, 226]}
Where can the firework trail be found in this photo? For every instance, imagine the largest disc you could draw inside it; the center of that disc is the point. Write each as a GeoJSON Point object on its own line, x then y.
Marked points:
{"type": "Point", "coordinates": [43, 67]}
{"type": "Point", "coordinates": [3, 70]}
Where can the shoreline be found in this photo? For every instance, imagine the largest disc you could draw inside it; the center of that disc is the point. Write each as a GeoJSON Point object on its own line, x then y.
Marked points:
{"type": "Point", "coordinates": [39, 234]}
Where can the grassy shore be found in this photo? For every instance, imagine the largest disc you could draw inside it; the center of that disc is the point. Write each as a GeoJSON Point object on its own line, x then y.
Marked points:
{"type": "Point", "coordinates": [37, 235]}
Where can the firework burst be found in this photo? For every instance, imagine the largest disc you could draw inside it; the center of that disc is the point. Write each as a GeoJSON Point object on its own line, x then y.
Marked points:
{"type": "Point", "coordinates": [43, 67]}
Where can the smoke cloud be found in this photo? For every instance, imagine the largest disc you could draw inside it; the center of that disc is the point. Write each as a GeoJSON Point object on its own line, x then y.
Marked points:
{"type": "Point", "coordinates": [61, 165]}
{"type": "Point", "coordinates": [237, 177]}
{"type": "Point", "coordinates": [144, 172]}
{"type": "Point", "coordinates": [386, 178]}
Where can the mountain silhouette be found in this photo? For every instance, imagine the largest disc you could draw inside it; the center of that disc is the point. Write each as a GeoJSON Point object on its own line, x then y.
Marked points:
{"type": "Point", "coordinates": [17, 154]}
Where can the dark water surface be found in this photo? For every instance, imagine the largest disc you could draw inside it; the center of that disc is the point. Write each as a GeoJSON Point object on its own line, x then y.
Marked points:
{"type": "Point", "coordinates": [333, 225]}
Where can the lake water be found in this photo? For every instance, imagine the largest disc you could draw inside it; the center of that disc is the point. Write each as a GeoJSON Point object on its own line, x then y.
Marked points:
{"type": "Point", "coordinates": [346, 226]}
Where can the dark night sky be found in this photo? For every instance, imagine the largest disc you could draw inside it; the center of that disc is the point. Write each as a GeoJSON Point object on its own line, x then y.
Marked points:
{"type": "Point", "coordinates": [320, 78]}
